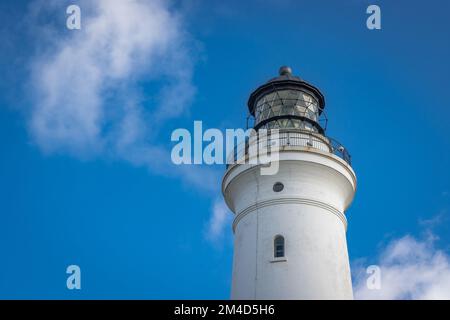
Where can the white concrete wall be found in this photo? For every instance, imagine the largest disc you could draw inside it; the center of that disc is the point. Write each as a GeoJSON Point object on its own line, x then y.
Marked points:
{"type": "Point", "coordinates": [309, 214]}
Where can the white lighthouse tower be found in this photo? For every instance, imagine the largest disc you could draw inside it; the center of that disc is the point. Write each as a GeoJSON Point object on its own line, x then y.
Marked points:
{"type": "Point", "coordinates": [290, 227]}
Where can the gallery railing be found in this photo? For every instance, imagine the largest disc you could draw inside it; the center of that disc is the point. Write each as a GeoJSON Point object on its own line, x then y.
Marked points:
{"type": "Point", "coordinates": [290, 137]}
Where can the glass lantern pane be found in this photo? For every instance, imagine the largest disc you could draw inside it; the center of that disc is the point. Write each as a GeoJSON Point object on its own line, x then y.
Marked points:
{"type": "Point", "coordinates": [287, 102]}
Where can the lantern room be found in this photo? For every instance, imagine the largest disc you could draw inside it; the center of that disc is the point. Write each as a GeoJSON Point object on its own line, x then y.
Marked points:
{"type": "Point", "coordinates": [288, 102]}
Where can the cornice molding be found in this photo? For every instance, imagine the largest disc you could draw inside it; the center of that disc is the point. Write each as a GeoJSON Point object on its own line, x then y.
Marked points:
{"type": "Point", "coordinates": [271, 202]}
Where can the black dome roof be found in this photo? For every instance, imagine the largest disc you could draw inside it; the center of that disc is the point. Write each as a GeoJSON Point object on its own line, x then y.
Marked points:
{"type": "Point", "coordinates": [285, 80]}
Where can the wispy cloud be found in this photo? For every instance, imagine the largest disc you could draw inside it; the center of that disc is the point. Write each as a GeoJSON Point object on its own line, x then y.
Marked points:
{"type": "Point", "coordinates": [219, 223]}
{"type": "Point", "coordinates": [120, 43]}
{"type": "Point", "coordinates": [411, 268]}
{"type": "Point", "coordinates": [88, 99]}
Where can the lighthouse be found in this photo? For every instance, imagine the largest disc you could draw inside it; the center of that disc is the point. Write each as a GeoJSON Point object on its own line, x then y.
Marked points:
{"type": "Point", "coordinates": [290, 227]}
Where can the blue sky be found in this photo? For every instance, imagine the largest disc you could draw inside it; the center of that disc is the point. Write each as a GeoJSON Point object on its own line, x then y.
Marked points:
{"type": "Point", "coordinates": [139, 227]}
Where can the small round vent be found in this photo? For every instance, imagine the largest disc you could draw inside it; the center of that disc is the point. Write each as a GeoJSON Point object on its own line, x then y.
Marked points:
{"type": "Point", "coordinates": [277, 187]}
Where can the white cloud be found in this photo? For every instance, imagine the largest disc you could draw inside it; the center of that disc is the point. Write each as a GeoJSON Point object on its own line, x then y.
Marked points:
{"type": "Point", "coordinates": [219, 222]}
{"type": "Point", "coordinates": [86, 84]}
{"type": "Point", "coordinates": [88, 100]}
{"type": "Point", "coordinates": [410, 269]}
{"type": "Point", "coordinates": [75, 81]}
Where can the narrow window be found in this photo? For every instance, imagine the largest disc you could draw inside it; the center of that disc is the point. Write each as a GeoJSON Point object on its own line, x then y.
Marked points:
{"type": "Point", "coordinates": [278, 246]}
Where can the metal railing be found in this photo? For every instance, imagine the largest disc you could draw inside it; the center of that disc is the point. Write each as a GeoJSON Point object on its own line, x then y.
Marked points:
{"type": "Point", "coordinates": [339, 150]}
{"type": "Point", "coordinates": [290, 137]}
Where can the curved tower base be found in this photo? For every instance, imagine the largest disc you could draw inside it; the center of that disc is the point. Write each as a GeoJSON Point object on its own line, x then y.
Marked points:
{"type": "Point", "coordinates": [308, 213]}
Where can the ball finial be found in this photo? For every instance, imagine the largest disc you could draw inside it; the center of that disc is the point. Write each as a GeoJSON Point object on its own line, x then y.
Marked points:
{"type": "Point", "coordinates": [285, 71]}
